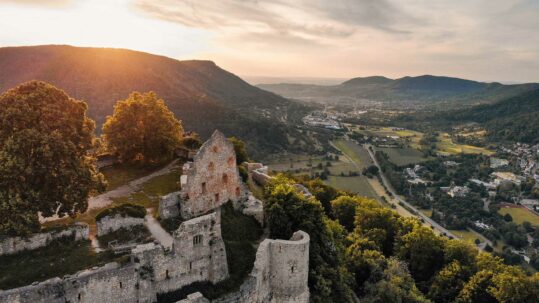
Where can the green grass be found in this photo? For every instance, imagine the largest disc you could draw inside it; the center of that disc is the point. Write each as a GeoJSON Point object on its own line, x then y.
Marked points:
{"type": "Point", "coordinates": [59, 258]}
{"type": "Point", "coordinates": [466, 235]}
{"type": "Point", "coordinates": [121, 174]}
{"type": "Point", "coordinates": [446, 146]}
{"type": "Point", "coordinates": [164, 184]}
{"type": "Point", "coordinates": [403, 156]}
{"type": "Point", "coordinates": [357, 184]}
{"type": "Point", "coordinates": [355, 152]}
{"type": "Point", "coordinates": [520, 215]}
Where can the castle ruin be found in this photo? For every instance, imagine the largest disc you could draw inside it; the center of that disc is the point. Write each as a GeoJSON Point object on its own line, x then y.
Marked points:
{"type": "Point", "coordinates": [198, 252]}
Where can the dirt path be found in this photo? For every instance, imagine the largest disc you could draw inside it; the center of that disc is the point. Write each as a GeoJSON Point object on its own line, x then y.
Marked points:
{"type": "Point", "coordinates": [161, 235]}
{"type": "Point", "coordinates": [105, 199]}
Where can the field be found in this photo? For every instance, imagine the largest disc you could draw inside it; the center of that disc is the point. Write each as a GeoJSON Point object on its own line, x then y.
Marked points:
{"type": "Point", "coordinates": [520, 214]}
{"type": "Point", "coordinates": [403, 156]}
{"type": "Point", "coordinates": [358, 184]}
{"type": "Point", "coordinates": [355, 152]}
{"type": "Point", "coordinates": [466, 235]}
{"type": "Point", "coordinates": [446, 146]}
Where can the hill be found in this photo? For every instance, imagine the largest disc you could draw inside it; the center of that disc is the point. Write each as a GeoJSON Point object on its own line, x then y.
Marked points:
{"type": "Point", "coordinates": [513, 119]}
{"type": "Point", "coordinates": [201, 94]}
{"type": "Point", "coordinates": [421, 91]}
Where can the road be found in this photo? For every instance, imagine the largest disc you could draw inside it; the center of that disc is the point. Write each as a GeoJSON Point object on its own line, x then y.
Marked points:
{"type": "Point", "coordinates": [433, 223]}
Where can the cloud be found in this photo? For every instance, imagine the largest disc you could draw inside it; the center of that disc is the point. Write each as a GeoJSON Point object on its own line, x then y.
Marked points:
{"type": "Point", "coordinates": [306, 20]}
{"type": "Point", "coordinates": [44, 3]}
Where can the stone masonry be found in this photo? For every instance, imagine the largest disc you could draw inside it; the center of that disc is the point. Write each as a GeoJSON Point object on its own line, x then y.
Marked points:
{"type": "Point", "coordinates": [211, 180]}
{"type": "Point", "coordinates": [109, 224]}
{"type": "Point", "coordinates": [13, 245]}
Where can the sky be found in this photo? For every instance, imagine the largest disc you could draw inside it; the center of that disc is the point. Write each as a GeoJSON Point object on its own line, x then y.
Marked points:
{"type": "Point", "coordinates": [487, 40]}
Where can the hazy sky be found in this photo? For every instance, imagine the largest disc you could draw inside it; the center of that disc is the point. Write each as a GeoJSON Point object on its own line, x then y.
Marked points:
{"type": "Point", "coordinates": [476, 39]}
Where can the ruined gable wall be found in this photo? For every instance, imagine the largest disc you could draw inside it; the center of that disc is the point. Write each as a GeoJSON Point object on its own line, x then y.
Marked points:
{"type": "Point", "coordinates": [212, 179]}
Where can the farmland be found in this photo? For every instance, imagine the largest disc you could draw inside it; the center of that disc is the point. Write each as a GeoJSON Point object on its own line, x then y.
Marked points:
{"type": "Point", "coordinates": [445, 145]}
{"type": "Point", "coordinates": [403, 156]}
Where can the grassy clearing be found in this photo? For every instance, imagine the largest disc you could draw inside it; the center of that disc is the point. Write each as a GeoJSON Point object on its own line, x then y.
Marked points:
{"type": "Point", "coordinates": [403, 156]}
{"type": "Point", "coordinates": [466, 235]}
{"type": "Point", "coordinates": [446, 145]}
{"type": "Point", "coordinates": [520, 215]}
{"type": "Point", "coordinates": [147, 197]}
{"type": "Point", "coordinates": [121, 174]}
{"type": "Point", "coordinates": [426, 212]}
{"type": "Point", "coordinates": [56, 260]}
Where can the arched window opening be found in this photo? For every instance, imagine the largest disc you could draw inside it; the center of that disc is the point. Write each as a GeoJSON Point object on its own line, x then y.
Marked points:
{"type": "Point", "coordinates": [225, 179]}
{"type": "Point", "coordinates": [211, 166]}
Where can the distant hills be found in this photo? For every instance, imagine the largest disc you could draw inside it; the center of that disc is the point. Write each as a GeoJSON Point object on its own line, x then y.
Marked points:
{"type": "Point", "coordinates": [421, 91]}
{"type": "Point", "coordinates": [200, 93]}
{"type": "Point", "coordinates": [513, 119]}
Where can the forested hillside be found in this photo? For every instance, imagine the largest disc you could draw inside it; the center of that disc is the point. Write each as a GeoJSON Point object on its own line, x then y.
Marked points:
{"type": "Point", "coordinates": [515, 119]}
{"type": "Point", "coordinates": [204, 96]}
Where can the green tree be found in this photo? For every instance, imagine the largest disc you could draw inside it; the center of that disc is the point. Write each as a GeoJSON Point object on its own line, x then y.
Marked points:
{"type": "Point", "coordinates": [423, 251]}
{"type": "Point", "coordinates": [289, 211]}
{"type": "Point", "coordinates": [240, 149]}
{"type": "Point", "coordinates": [142, 129]}
{"type": "Point", "coordinates": [448, 283]}
{"type": "Point", "coordinates": [344, 210]}
{"type": "Point", "coordinates": [396, 286]}
{"type": "Point", "coordinates": [476, 289]}
{"type": "Point", "coordinates": [45, 137]}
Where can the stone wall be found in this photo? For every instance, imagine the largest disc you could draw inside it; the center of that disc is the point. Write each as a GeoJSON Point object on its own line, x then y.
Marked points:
{"type": "Point", "coordinates": [109, 224]}
{"type": "Point", "coordinates": [169, 205]}
{"type": "Point", "coordinates": [109, 283]}
{"type": "Point", "coordinates": [259, 174]}
{"type": "Point", "coordinates": [212, 179]}
{"type": "Point", "coordinates": [198, 254]}
{"type": "Point", "coordinates": [279, 275]}
{"type": "Point", "coordinates": [79, 231]}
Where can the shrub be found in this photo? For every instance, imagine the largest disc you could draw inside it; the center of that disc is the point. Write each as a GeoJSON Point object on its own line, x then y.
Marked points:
{"type": "Point", "coordinates": [124, 210]}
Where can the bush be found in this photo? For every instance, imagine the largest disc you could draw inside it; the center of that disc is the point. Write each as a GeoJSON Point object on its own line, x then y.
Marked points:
{"type": "Point", "coordinates": [124, 210]}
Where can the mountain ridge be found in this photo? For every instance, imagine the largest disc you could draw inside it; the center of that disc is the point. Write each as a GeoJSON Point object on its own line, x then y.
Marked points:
{"type": "Point", "coordinates": [200, 93]}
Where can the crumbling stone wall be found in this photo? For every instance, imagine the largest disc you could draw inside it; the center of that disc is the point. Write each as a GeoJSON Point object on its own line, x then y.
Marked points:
{"type": "Point", "coordinates": [212, 179]}
{"type": "Point", "coordinates": [198, 254]}
{"type": "Point", "coordinates": [194, 298]}
{"type": "Point", "coordinates": [279, 275]}
{"type": "Point", "coordinates": [79, 231]}
{"type": "Point", "coordinates": [109, 224]}
{"type": "Point", "coordinates": [110, 283]}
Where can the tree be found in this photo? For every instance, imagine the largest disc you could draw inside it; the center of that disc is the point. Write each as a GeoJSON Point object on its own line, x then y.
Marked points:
{"type": "Point", "coordinates": [45, 137]}
{"type": "Point", "coordinates": [344, 210]}
{"type": "Point", "coordinates": [142, 129]}
{"type": "Point", "coordinates": [448, 283]}
{"type": "Point", "coordinates": [423, 251]}
{"type": "Point", "coordinates": [396, 286]}
{"type": "Point", "coordinates": [240, 149]}
{"type": "Point", "coordinates": [289, 211]}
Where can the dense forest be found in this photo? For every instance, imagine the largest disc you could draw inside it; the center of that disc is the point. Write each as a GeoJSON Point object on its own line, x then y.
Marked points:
{"type": "Point", "coordinates": [378, 256]}
{"type": "Point", "coordinates": [200, 94]}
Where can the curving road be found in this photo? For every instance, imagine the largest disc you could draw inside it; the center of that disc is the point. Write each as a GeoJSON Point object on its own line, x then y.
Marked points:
{"type": "Point", "coordinates": [433, 223]}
